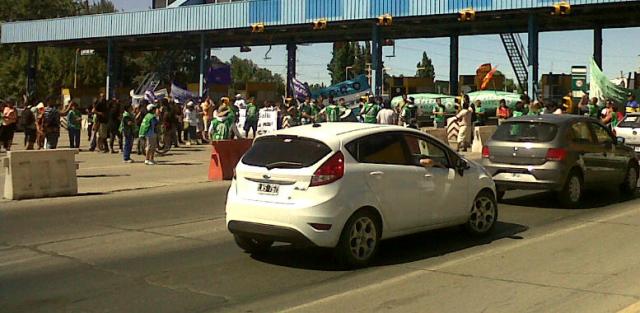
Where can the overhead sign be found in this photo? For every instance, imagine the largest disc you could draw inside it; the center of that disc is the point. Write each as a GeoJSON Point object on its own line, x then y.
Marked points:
{"type": "Point", "coordinates": [579, 81]}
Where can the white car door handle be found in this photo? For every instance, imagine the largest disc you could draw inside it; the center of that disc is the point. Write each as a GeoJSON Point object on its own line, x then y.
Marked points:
{"type": "Point", "coordinates": [376, 173]}
{"type": "Point", "coordinates": [428, 176]}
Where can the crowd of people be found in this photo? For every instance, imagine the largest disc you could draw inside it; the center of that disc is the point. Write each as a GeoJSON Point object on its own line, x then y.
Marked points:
{"type": "Point", "coordinates": [473, 114]}
{"type": "Point", "coordinates": [168, 122]}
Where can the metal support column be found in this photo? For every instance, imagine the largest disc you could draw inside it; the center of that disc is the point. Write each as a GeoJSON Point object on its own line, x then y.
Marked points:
{"type": "Point", "coordinates": [453, 65]}
{"type": "Point", "coordinates": [376, 61]}
{"type": "Point", "coordinates": [203, 61]}
{"type": "Point", "coordinates": [532, 83]}
{"type": "Point", "coordinates": [597, 46]}
{"type": "Point", "coordinates": [291, 67]}
{"type": "Point", "coordinates": [109, 90]}
{"type": "Point", "coordinates": [32, 71]}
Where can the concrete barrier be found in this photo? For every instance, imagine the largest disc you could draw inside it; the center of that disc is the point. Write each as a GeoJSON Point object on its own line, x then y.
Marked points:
{"type": "Point", "coordinates": [40, 174]}
{"type": "Point", "coordinates": [439, 133]}
{"type": "Point", "coordinates": [481, 135]}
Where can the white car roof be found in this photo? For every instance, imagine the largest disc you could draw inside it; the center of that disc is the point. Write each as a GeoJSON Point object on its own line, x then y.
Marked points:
{"type": "Point", "coordinates": [333, 133]}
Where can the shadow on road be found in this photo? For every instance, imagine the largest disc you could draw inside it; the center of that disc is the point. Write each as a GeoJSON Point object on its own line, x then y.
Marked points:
{"type": "Point", "coordinates": [549, 200]}
{"type": "Point", "coordinates": [401, 250]}
{"type": "Point", "coordinates": [166, 163]}
{"type": "Point", "coordinates": [103, 175]}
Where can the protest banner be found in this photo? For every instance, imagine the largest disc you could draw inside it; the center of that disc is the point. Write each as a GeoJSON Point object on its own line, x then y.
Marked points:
{"type": "Point", "coordinates": [267, 121]}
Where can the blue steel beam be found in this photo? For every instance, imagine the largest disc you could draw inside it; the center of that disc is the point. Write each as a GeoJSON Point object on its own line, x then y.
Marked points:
{"type": "Point", "coordinates": [110, 79]}
{"type": "Point", "coordinates": [240, 15]}
{"type": "Point", "coordinates": [453, 65]}
{"type": "Point", "coordinates": [597, 45]}
{"type": "Point", "coordinates": [291, 67]}
{"type": "Point", "coordinates": [533, 56]}
{"type": "Point", "coordinates": [203, 58]}
{"type": "Point", "coordinates": [376, 61]}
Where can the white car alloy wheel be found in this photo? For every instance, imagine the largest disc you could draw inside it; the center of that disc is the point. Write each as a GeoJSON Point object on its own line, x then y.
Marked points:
{"type": "Point", "coordinates": [363, 238]}
{"type": "Point", "coordinates": [483, 214]}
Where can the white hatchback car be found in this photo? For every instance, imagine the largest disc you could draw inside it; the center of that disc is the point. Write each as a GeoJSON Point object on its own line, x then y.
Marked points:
{"type": "Point", "coordinates": [629, 129]}
{"type": "Point", "coordinates": [349, 185]}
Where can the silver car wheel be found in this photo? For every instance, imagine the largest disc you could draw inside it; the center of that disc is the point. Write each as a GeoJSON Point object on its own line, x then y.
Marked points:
{"type": "Point", "coordinates": [483, 214]}
{"type": "Point", "coordinates": [575, 189]}
{"type": "Point", "coordinates": [362, 238]}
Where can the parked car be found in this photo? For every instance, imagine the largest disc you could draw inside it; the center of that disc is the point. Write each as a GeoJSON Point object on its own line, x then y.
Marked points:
{"type": "Point", "coordinates": [629, 129]}
{"type": "Point", "coordinates": [562, 153]}
{"type": "Point", "coordinates": [349, 185]}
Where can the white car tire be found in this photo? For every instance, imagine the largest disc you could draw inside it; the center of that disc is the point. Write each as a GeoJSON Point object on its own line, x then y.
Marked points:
{"type": "Point", "coordinates": [484, 214]}
{"type": "Point", "coordinates": [359, 240]}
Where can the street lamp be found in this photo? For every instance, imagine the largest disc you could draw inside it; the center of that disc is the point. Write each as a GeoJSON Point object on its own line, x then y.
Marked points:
{"type": "Point", "coordinates": [346, 72]}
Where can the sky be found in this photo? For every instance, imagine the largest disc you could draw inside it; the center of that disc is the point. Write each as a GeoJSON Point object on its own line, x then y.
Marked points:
{"type": "Point", "coordinates": [558, 52]}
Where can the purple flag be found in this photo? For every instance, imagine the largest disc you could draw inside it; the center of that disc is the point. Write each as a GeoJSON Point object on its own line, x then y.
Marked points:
{"type": "Point", "coordinates": [219, 74]}
{"type": "Point", "coordinates": [300, 90]}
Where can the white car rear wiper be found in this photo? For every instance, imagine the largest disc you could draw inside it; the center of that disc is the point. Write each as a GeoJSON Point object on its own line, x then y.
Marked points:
{"type": "Point", "coordinates": [273, 165]}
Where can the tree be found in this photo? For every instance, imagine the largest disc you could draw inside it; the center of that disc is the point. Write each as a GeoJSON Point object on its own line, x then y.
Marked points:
{"type": "Point", "coordinates": [54, 64]}
{"type": "Point", "coordinates": [349, 54]}
{"type": "Point", "coordinates": [243, 71]}
{"type": "Point", "coordinates": [425, 67]}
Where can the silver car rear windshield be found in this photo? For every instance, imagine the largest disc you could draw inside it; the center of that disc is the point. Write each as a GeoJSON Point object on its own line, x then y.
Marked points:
{"type": "Point", "coordinates": [522, 131]}
{"type": "Point", "coordinates": [630, 121]}
{"type": "Point", "coordinates": [285, 152]}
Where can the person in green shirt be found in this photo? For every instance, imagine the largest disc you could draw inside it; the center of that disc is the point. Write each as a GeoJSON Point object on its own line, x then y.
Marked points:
{"type": "Point", "coordinates": [332, 113]}
{"type": "Point", "coordinates": [410, 114]}
{"type": "Point", "coordinates": [74, 125]}
{"type": "Point", "coordinates": [370, 111]}
{"type": "Point", "coordinates": [219, 129]}
{"type": "Point", "coordinates": [519, 111]}
{"type": "Point", "coordinates": [535, 109]}
{"type": "Point", "coordinates": [306, 116]}
{"type": "Point", "coordinates": [251, 121]}
{"type": "Point", "coordinates": [481, 114]}
{"type": "Point", "coordinates": [438, 114]}
{"type": "Point", "coordinates": [148, 131]}
{"type": "Point", "coordinates": [315, 111]}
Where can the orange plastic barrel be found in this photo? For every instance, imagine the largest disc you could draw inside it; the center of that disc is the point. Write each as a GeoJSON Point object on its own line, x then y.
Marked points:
{"type": "Point", "coordinates": [225, 155]}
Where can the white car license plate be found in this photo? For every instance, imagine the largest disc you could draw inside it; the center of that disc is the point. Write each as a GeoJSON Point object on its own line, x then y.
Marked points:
{"type": "Point", "coordinates": [268, 189]}
{"type": "Point", "coordinates": [637, 149]}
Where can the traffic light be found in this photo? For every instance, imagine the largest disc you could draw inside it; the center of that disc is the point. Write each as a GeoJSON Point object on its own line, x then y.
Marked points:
{"type": "Point", "coordinates": [385, 20]}
{"type": "Point", "coordinates": [467, 15]}
{"type": "Point", "coordinates": [561, 9]}
{"type": "Point", "coordinates": [320, 24]}
{"type": "Point", "coordinates": [257, 28]}
{"type": "Point", "coordinates": [388, 42]}
{"type": "Point", "coordinates": [245, 49]}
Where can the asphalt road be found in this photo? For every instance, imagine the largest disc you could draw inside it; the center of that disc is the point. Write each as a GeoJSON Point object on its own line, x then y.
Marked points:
{"type": "Point", "coordinates": [167, 250]}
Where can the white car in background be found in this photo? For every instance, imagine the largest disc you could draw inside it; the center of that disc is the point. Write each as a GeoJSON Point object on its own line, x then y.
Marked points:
{"type": "Point", "coordinates": [349, 185]}
{"type": "Point", "coordinates": [629, 129]}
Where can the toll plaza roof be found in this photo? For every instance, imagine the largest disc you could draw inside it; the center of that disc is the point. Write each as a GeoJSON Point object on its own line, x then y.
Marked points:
{"type": "Point", "coordinates": [228, 24]}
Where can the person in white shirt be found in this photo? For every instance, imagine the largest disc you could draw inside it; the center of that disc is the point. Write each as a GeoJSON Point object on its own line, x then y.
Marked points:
{"type": "Point", "coordinates": [240, 103]}
{"type": "Point", "coordinates": [191, 122]}
{"type": "Point", "coordinates": [464, 133]}
{"type": "Point", "coordinates": [387, 116]}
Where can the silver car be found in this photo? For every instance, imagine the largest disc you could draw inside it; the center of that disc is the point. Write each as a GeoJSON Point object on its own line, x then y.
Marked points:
{"type": "Point", "coordinates": [563, 153]}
